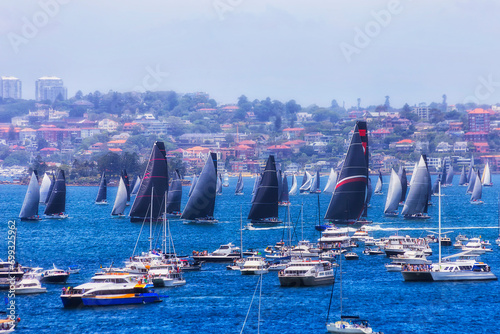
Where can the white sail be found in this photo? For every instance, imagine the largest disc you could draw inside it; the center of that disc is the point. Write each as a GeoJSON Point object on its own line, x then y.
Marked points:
{"type": "Point", "coordinates": [394, 193]}
{"type": "Point", "coordinates": [293, 189]}
{"type": "Point", "coordinates": [226, 180]}
{"type": "Point", "coordinates": [378, 186]}
{"type": "Point", "coordinates": [413, 174]}
{"type": "Point", "coordinates": [331, 183]}
{"type": "Point", "coordinates": [477, 192]}
{"type": "Point", "coordinates": [416, 202]}
{"type": "Point", "coordinates": [44, 188]}
{"type": "Point", "coordinates": [307, 185]}
{"type": "Point", "coordinates": [120, 200]}
{"type": "Point", "coordinates": [31, 199]}
{"type": "Point", "coordinates": [486, 179]}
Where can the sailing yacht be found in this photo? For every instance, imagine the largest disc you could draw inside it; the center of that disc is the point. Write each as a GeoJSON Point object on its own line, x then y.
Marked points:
{"type": "Point", "coordinates": [225, 183]}
{"type": "Point", "coordinates": [102, 192]}
{"type": "Point", "coordinates": [348, 199]}
{"type": "Point", "coordinates": [449, 177]}
{"type": "Point", "coordinates": [29, 210]}
{"type": "Point", "coordinates": [193, 184]}
{"type": "Point", "coordinates": [154, 185]}
{"type": "Point", "coordinates": [486, 179]}
{"type": "Point", "coordinates": [219, 185]}
{"type": "Point", "coordinates": [264, 210]}
{"type": "Point", "coordinates": [404, 184]}
{"type": "Point", "coordinates": [284, 199]}
{"type": "Point", "coordinates": [127, 184]}
{"type": "Point", "coordinates": [347, 324]}
{"type": "Point", "coordinates": [417, 201]}
{"type": "Point", "coordinates": [331, 183]}
{"type": "Point", "coordinates": [393, 195]}
{"type": "Point", "coordinates": [239, 186]}
{"type": "Point", "coordinates": [256, 184]}
{"type": "Point", "coordinates": [378, 186]}
{"type": "Point", "coordinates": [201, 204]}
{"type": "Point", "coordinates": [120, 200]}
{"type": "Point", "coordinates": [306, 183]}
{"type": "Point", "coordinates": [294, 187]}
{"type": "Point", "coordinates": [136, 186]}
{"type": "Point", "coordinates": [174, 197]}
{"type": "Point", "coordinates": [315, 185]}
{"type": "Point", "coordinates": [56, 206]}
{"type": "Point", "coordinates": [463, 178]}
{"type": "Point", "coordinates": [477, 191]}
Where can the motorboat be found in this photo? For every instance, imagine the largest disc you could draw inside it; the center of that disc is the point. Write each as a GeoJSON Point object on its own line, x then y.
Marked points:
{"type": "Point", "coordinates": [373, 251]}
{"type": "Point", "coordinates": [408, 258]}
{"type": "Point", "coordinates": [166, 275]}
{"type": "Point", "coordinates": [474, 245]}
{"type": "Point", "coordinates": [445, 241]}
{"type": "Point", "coordinates": [225, 253]}
{"type": "Point", "coordinates": [461, 237]}
{"type": "Point", "coordinates": [73, 270]}
{"type": "Point", "coordinates": [360, 234]}
{"type": "Point", "coordinates": [307, 272]}
{"type": "Point", "coordinates": [254, 265]}
{"type": "Point", "coordinates": [351, 256]}
{"type": "Point", "coordinates": [72, 296]}
{"type": "Point", "coordinates": [8, 325]}
{"type": "Point", "coordinates": [54, 275]}
{"type": "Point", "coordinates": [334, 238]}
{"type": "Point", "coordinates": [126, 295]}
{"type": "Point", "coordinates": [28, 285]}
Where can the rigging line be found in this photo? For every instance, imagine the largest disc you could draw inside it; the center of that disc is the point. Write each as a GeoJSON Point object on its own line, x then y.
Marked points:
{"type": "Point", "coordinates": [331, 294]}
{"type": "Point", "coordinates": [251, 302]}
{"type": "Point", "coordinates": [140, 232]}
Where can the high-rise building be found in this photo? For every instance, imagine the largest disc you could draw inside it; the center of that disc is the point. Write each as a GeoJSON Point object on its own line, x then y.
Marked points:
{"type": "Point", "coordinates": [50, 88]}
{"type": "Point", "coordinates": [479, 120]}
{"type": "Point", "coordinates": [10, 87]}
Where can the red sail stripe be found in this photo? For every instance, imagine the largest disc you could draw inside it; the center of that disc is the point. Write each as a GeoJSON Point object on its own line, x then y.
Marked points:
{"type": "Point", "coordinates": [355, 179]}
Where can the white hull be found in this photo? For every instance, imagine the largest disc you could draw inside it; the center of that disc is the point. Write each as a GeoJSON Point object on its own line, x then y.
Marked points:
{"type": "Point", "coordinates": [462, 276]}
{"type": "Point", "coordinates": [30, 291]}
{"type": "Point", "coordinates": [341, 327]}
{"type": "Point", "coordinates": [254, 271]}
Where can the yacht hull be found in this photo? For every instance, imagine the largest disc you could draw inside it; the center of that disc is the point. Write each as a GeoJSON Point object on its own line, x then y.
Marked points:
{"type": "Point", "coordinates": [127, 299]}
{"type": "Point", "coordinates": [417, 276]}
{"type": "Point", "coordinates": [305, 281]}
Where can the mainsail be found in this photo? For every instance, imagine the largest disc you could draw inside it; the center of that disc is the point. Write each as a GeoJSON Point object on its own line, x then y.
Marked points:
{"type": "Point", "coordinates": [477, 192]}
{"type": "Point", "coordinates": [174, 195]}
{"type": "Point", "coordinates": [265, 204]}
{"type": "Point", "coordinates": [219, 185]}
{"type": "Point", "coordinates": [348, 199]}
{"type": "Point", "coordinates": [449, 177]}
{"type": "Point", "coordinates": [29, 210]}
{"type": "Point", "coordinates": [486, 179]}
{"type": "Point", "coordinates": [472, 181]}
{"type": "Point", "coordinates": [120, 200]}
{"type": "Point", "coordinates": [417, 200]}
{"type": "Point", "coordinates": [57, 200]}
{"type": "Point", "coordinates": [150, 197]}
{"type": "Point", "coordinates": [201, 203]}
{"type": "Point", "coordinates": [463, 177]}
{"type": "Point", "coordinates": [127, 183]}
{"type": "Point", "coordinates": [315, 185]}
{"type": "Point", "coordinates": [102, 192]}
{"type": "Point", "coordinates": [137, 184]}
{"type": "Point", "coordinates": [284, 198]}
{"type": "Point", "coordinates": [471, 177]}
{"type": "Point", "coordinates": [239, 185]}
{"type": "Point", "coordinates": [45, 188]}
{"type": "Point", "coordinates": [193, 184]}
{"type": "Point", "coordinates": [51, 187]}
{"type": "Point", "coordinates": [393, 194]}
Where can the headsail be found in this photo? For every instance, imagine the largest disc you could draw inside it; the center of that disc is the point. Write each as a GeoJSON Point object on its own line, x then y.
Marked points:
{"type": "Point", "coordinates": [332, 182]}
{"type": "Point", "coordinates": [477, 192]}
{"type": "Point", "coordinates": [416, 202]}
{"type": "Point", "coordinates": [294, 187]}
{"type": "Point", "coordinates": [45, 188]}
{"type": "Point", "coordinates": [378, 186]}
{"type": "Point", "coordinates": [306, 183]}
{"type": "Point", "coordinates": [127, 183]}
{"type": "Point", "coordinates": [463, 177]}
{"type": "Point", "coordinates": [486, 179]}
{"type": "Point", "coordinates": [137, 184]}
{"type": "Point", "coordinates": [404, 183]}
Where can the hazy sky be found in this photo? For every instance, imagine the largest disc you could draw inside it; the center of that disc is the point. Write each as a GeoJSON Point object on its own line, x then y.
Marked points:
{"type": "Point", "coordinates": [310, 51]}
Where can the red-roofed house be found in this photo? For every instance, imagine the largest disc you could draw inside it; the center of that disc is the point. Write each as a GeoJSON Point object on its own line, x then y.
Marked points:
{"type": "Point", "coordinates": [280, 151]}
{"type": "Point", "coordinates": [48, 151]}
{"type": "Point", "coordinates": [404, 145]}
{"type": "Point", "coordinates": [295, 145]}
{"type": "Point", "coordinates": [132, 126]}
{"type": "Point", "coordinates": [380, 133]}
{"type": "Point", "coordinates": [115, 149]}
{"type": "Point", "coordinates": [244, 151]}
{"type": "Point", "coordinates": [293, 133]}
{"type": "Point", "coordinates": [481, 147]}
{"type": "Point", "coordinates": [230, 108]}
{"type": "Point", "coordinates": [117, 143]}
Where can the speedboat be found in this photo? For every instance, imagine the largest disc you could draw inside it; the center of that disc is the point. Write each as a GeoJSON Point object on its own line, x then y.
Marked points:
{"type": "Point", "coordinates": [307, 272]}
{"type": "Point", "coordinates": [349, 324]}
{"type": "Point", "coordinates": [373, 251]}
{"type": "Point", "coordinates": [475, 245]}
{"type": "Point", "coordinates": [105, 282]}
{"type": "Point", "coordinates": [8, 325]}
{"type": "Point", "coordinates": [351, 256]}
{"type": "Point", "coordinates": [254, 265]}
{"type": "Point", "coordinates": [166, 275]}
{"type": "Point", "coordinates": [225, 253]}
{"type": "Point", "coordinates": [54, 275]}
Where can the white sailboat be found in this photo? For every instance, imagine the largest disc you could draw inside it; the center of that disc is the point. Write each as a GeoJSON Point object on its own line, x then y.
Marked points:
{"type": "Point", "coordinates": [44, 188]}
{"type": "Point", "coordinates": [29, 210]}
{"type": "Point", "coordinates": [378, 186]}
{"type": "Point", "coordinates": [486, 179]}
{"type": "Point", "coordinates": [225, 183]}
{"type": "Point", "coordinates": [331, 183]}
{"type": "Point", "coordinates": [393, 195]}
{"type": "Point", "coordinates": [306, 183]}
{"type": "Point", "coordinates": [477, 191]}
{"type": "Point", "coordinates": [120, 200]}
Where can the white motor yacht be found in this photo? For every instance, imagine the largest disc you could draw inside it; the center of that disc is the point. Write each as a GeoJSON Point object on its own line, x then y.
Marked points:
{"type": "Point", "coordinates": [334, 238]}
{"type": "Point", "coordinates": [349, 324]}
{"type": "Point", "coordinates": [29, 284]}
{"type": "Point", "coordinates": [225, 253]}
{"type": "Point", "coordinates": [360, 234]}
{"type": "Point", "coordinates": [254, 265]}
{"type": "Point", "coordinates": [474, 245]}
{"type": "Point", "coordinates": [409, 257]}
{"type": "Point", "coordinates": [307, 272]}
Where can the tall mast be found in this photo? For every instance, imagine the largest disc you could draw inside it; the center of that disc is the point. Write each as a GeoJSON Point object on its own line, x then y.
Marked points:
{"type": "Point", "coordinates": [151, 222]}
{"type": "Point", "coordinates": [241, 232]}
{"type": "Point", "coordinates": [165, 227]}
{"type": "Point", "coordinates": [439, 220]}
{"type": "Point", "coordinates": [340, 262]}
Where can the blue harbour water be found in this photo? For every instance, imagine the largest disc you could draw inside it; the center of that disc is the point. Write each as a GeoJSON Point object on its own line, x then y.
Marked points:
{"type": "Point", "coordinates": [216, 300]}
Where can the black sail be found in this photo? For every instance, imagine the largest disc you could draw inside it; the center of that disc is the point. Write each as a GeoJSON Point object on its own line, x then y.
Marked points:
{"type": "Point", "coordinates": [57, 199]}
{"type": "Point", "coordinates": [404, 183]}
{"type": "Point", "coordinates": [280, 184]}
{"type": "Point", "coordinates": [154, 183]}
{"type": "Point", "coordinates": [127, 183]}
{"type": "Point", "coordinates": [31, 199]}
{"type": "Point", "coordinates": [239, 185]}
{"type": "Point", "coordinates": [102, 192]}
{"type": "Point", "coordinates": [444, 178]}
{"type": "Point", "coordinates": [348, 199]}
{"type": "Point", "coordinates": [284, 190]}
{"type": "Point", "coordinates": [174, 195]}
{"type": "Point", "coordinates": [201, 203]}
{"type": "Point", "coordinates": [265, 204]}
